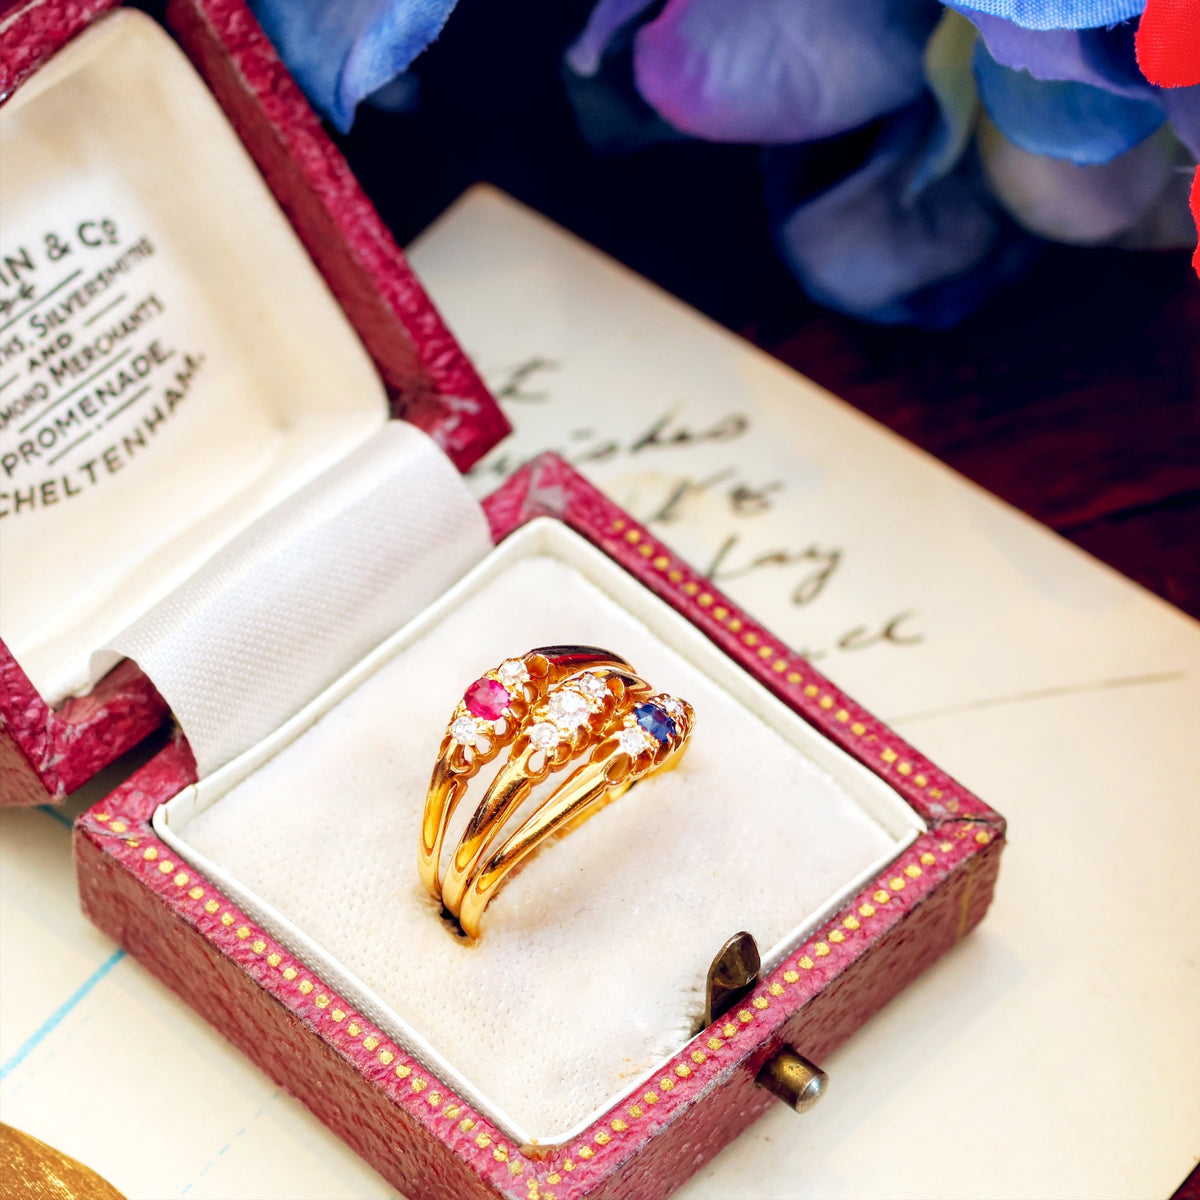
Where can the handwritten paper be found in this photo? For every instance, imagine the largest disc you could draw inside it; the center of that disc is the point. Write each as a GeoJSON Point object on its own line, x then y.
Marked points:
{"type": "Point", "coordinates": [1055, 1052]}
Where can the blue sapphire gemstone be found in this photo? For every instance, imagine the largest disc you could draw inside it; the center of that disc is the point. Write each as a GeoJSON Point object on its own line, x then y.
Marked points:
{"type": "Point", "coordinates": [654, 721]}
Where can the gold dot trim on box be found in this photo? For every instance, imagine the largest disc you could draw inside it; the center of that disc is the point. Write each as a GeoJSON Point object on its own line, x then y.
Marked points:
{"type": "Point", "coordinates": [681, 1073]}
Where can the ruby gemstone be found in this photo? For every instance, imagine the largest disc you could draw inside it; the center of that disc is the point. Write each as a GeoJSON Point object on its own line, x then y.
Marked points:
{"type": "Point", "coordinates": [487, 699]}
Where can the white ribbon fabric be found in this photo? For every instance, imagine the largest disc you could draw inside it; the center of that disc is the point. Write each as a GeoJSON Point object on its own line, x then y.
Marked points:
{"type": "Point", "coordinates": [303, 593]}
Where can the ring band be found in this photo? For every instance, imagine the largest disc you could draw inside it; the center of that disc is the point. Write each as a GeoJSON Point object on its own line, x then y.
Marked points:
{"type": "Point", "coordinates": [487, 719]}
{"type": "Point", "coordinates": [555, 706]}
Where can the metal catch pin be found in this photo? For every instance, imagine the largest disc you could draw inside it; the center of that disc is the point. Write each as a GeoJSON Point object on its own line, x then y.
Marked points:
{"type": "Point", "coordinates": [796, 1081]}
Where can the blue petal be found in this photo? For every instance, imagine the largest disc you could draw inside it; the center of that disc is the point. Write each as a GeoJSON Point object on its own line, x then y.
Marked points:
{"type": "Point", "coordinates": [1054, 14]}
{"type": "Point", "coordinates": [585, 53]}
{"type": "Point", "coordinates": [341, 53]}
{"type": "Point", "coordinates": [1074, 121]}
{"type": "Point", "coordinates": [1103, 58]}
{"type": "Point", "coordinates": [1183, 112]}
{"type": "Point", "coordinates": [778, 71]}
{"type": "Point", "coordinates": [863, 247]}
{"type": "Point", "coordinates": [1082, 205]}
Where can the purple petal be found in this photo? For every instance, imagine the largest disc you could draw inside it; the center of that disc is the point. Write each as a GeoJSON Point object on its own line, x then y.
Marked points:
{"type": "Point", "coordinates": [341, 53]}
{"type": "Point", "coordinates": [861, 246]}
{"type": "Point", "coordinates": [585, 53]}
{"type": "Point", "coordinates": [1103, 58]}
{"type": "Point", "coordinates": [1167, 224]}
{"type": "Point", "coordinates": [1084, 205]}
{"type": "Point", "coordinates": [1183, 112]}
{"type": "Point", "coordinates": [1074, 121]}
{"type": "Point", "coordinates": [778, 71]}
{"type": "Point", "coordinates": [1054, 14]}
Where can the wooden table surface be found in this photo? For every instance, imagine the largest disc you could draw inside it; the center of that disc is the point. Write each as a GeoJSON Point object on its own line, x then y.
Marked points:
{"type": "Point", "coordinates": [1075, 395]}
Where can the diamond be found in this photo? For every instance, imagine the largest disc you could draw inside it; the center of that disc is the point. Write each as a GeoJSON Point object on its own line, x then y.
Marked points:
{"type": "Point", "coordinates": [544, 735]}
{"type": "Point", "coordinates": [568, 708]}
{"type": "Point", "coordinates": [654, 721]}
{"type": "Point", "coordinates": [465, 731]}
{"type": "Point", "coordinates": [672, 706]}
{"type": "Point", "coordinates": [487, 699]}
{"type": "Point", "coordinates": [512, 672]}
{"type": "Point", "coordinates": [592, 686]}
{"type": "Point", "coordinates": [633, 741]}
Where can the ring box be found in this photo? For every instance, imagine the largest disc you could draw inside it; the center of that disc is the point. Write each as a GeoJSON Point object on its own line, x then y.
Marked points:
{"type": "Point", "coordinates": [236, 938]}
{"type": "Point", "coordinates": [56, 736]}
{"type": "Point", "coordinates": [272, 884]}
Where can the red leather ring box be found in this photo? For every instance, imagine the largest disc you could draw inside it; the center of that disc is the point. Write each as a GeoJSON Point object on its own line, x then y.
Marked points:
{"type": "Point", "coordinates": [426, 1131]}
{"type": "Point", "coordinates": [54, 738]}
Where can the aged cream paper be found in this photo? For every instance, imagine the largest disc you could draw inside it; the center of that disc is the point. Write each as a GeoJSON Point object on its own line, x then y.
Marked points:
{"type": "Point", "coordinates": [1055, 1052]}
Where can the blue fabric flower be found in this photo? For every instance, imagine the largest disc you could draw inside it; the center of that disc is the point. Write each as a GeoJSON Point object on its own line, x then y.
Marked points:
{"type": "Point", "coordinates": [1061, 118]}
{"type": "Point", "coordinates": [608, 17]}
{"type": "Point", "coordinates": [874, 246]}
{"type": "Point", "coordinates": [341, 53]}
{"type": "Point", "coordinates": [1054, 14]}
{"type": "Point", "coordinates": [1090, 204]}
{"type": "Point", "coordinates": [1182, 106]}
{"type": "Point", "coordinates": [769, 71]}
{"type": "Point", "coordinates": [1102, 58]}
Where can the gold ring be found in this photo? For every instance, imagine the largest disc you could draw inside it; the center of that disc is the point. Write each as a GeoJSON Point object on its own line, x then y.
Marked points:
{"type": "Point", "coordinates": [556, 706]}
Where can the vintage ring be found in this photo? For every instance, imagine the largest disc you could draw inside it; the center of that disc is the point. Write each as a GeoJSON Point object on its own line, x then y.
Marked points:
{"type": "Point", "coordinates": [555, 706]}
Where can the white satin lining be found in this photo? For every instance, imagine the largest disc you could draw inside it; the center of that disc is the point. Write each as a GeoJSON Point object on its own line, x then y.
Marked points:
{"type": "Point", "coordinates": [303, 593]}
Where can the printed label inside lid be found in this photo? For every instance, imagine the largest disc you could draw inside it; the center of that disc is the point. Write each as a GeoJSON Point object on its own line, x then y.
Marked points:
{"type": "Point", "coordinates": [93, 369]}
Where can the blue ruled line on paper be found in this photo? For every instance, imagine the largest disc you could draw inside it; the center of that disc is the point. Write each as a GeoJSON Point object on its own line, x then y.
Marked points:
{"type": "Point", "coordinates": [55, 815]}
{"type": "Point", "coordinates": [56, 1018]}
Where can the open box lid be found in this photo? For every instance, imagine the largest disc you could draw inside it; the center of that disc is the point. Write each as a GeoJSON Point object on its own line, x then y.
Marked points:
{"type": "Point", "coordinates": [300, 383]}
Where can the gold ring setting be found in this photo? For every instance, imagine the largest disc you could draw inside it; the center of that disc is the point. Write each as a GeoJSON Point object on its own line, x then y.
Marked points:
{"type": "Point", "coordinates": [554, 708]}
